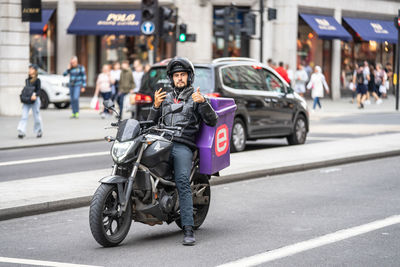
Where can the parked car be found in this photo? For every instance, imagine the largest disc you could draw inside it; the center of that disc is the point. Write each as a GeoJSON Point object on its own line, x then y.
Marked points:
{"type": "Point", "coordinates": [54, 90]}
{"type": "Point", "coordinates": [267, 106]}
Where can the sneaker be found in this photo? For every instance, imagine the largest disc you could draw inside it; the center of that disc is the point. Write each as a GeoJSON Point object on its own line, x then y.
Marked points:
{"type": "Point", "coordinates": [72, 116]}
{"type": "Point", "coordinates": [39, 134]}
{"type": "Point", "coordinates": [367, 102]}
{"type": "Point", "coordinates": [379, 101]}
{"type": "Point", "coordinates": [188, 236]}
{"type": "Point", "coordinates": [103, 115]}
{"type": "Point", "coordinates": [21, 135]}
{"type": "Point", "coordinates": [77, 115]}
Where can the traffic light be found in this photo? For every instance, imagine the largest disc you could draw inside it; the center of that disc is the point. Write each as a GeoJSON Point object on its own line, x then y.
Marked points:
{"type": "Point", "coordinates": [182, 32]}
{"type": "Point", "coordinates": [150, 17]}
{"type": "Point", "coordinates": [166, 23]}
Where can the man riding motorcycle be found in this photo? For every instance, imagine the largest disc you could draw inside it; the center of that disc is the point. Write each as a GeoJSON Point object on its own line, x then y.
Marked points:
{"type": "Point", "coordinates": [196, 108]}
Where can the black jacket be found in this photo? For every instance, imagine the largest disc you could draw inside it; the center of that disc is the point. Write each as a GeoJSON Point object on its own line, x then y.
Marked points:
{"type": "Point", "coordinates": [36, 83]}
{"type": "Point", "coordinates": [189, 118]}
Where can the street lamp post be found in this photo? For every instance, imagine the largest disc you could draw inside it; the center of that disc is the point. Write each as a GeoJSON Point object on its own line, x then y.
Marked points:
{"type": "Point", "coordinates": [398, 60]}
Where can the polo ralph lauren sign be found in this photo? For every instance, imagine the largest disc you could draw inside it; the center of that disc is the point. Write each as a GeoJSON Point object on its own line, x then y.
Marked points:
{"type": "Point", "coordinates": [31, 10]}
{"type": "Point", "coordinates": [324, 24]}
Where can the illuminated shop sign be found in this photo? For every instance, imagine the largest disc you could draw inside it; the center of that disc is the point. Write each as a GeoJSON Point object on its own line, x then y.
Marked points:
{"type": "Point", "coordinates": [120, 19]}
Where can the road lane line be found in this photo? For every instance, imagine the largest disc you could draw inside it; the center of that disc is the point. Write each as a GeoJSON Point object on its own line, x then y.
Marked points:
{"type": "Point", "coordinates": [41, 263]}
{"type": "Point", "coordinates": [73, 156]}
{"type": "Point", "coordinates": [313, 243]}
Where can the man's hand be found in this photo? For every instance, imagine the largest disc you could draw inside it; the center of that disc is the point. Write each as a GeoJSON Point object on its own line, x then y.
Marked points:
{"type": "Point", "coordinates": [197, 96]}
{"type": "Point", "coordinates": [82, 89]}
{"type": "Point", "coordinates": [33, 97]}
{"type": "Point", "coordinates": [159, 97]}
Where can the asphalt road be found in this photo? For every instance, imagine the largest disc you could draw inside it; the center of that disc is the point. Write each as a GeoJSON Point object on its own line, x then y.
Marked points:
{"type": "Point", "coordinates": [93, 162]}
{"type": "Point", "coordinates": [245, 218]}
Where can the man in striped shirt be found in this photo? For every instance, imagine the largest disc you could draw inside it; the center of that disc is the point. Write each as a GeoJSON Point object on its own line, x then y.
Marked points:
{"type": "Point", "coordinates": [77, 84]}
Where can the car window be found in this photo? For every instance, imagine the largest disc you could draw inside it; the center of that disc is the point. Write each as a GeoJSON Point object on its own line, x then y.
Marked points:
{"type": "Point", "coordinates": [157, 78]}
{"type": "Point", "coordinates": [242, 77]}
{"type": "Point", "coordinates": [273, 84]}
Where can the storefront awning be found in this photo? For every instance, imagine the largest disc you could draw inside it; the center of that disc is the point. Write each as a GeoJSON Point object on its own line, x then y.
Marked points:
{"type": "Point", "coordinates": [40, 27]}
{"type": "Point", "coordinates": [326, 27]}
{"type": "Point", "coordinates": [374, 30]}
{"type": "Point", "coordinates": [103, 22]}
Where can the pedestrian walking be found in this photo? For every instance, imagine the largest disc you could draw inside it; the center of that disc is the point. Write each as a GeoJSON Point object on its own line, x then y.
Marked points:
{"type": "Point", "coordinates": [376, 78]}
{"type": "Point", "coordinates": [103, 85]}
{"type": "Point", "coordinates": [282, 72]}
{"type": "Point", "coordinates": [381, 81]}
{"type": "Point", "coordinates": [389, 78]}
{"type": "Point", "coordinates": [77, 84]}
{"type": "Point", "coordinates": [359, 79]}
{"type": "Point", "coordinates": [347, 76]}
{"type": "Point", "coordinates": [317, 84]}
{"type": "Point", "coordinates": [300, 80]}
{"type": "Point", "coordinates": [34, 82]}
{"type": "Point", "coordinates": [367, 78]}
{"type": "Point", "coordinates": [126, 84]}
{"type": "Point", "coordinates": [290, 73]}
{"type": "Point", "coordinates": [115, 74]}
{"type": "Point", "coordinates": [137, 74]}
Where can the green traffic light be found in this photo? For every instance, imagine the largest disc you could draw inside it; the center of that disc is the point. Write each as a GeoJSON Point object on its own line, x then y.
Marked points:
{"type": "Point", "coordinates": [182, 37]}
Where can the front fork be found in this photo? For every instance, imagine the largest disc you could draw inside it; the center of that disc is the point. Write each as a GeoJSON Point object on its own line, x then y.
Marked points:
{"type": "Point", "coordinates": [124, 195]}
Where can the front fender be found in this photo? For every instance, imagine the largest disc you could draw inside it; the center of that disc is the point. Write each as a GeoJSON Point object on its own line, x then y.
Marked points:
{"type": "Point", "coordinates": [113, 179]}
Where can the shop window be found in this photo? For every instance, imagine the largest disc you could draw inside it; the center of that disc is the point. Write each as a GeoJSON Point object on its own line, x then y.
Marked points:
{"type": "Point", "coordinates": [42, 47]}
{"type": "Point", "coordinates": [238, 45]}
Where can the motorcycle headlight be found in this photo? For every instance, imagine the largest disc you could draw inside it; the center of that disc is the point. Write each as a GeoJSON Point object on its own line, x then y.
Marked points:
{"type": "Point", "coordinates": [120, 150]}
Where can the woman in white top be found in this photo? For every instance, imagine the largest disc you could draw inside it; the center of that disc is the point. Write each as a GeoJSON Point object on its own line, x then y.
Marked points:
{"type": "Point", "coordinates": [300, 80]}
{"type": "Point", "coordinates": [103, 85]}
{"type": "Point", "coordinates": [115, 74]}
{"type": "Point", "coordinates": [316, 84]}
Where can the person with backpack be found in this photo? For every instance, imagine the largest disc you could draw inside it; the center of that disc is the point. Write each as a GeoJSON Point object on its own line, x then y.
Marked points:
{"type": "Point", "coordinates": [77, 84]}
{"type": "Point", "coordinates": [359, 78]}
{"type": "Point", "coordinates": [31, 100]}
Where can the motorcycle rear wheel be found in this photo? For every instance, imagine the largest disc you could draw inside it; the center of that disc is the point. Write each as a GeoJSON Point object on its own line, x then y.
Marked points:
{"type": "Point", "coordinates": [107, 227]}
{"type": "Point", "coordinates": [200, 211]}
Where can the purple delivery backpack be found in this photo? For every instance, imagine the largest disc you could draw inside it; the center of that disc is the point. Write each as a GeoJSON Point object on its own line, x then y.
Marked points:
{"type": "Point", "coordinates": [214, 142]}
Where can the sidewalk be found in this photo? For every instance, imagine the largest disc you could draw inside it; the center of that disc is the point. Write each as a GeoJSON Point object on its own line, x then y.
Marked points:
{"type": "Point", "coordinates": [45, 194]}
{"type": "Point", "coordinates": [58, 128]}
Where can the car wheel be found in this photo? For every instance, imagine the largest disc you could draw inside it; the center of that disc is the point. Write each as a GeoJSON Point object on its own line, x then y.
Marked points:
{"type": "Point", "coordinates": [299, 134]}
{"type": "Point", "coordinates": [44, 100]}
{"type": "Point", "coordinates": [238, 140]}
{"type": "Point", "coordinates": [62, 105]}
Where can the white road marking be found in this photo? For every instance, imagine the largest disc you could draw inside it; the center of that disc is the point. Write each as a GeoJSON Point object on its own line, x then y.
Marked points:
{"type": "Point", "coordinates": [313, 243]}
{"type": "Point", "coordinates": [330, 170]}
{"type": "Point", "coordinates": [73, 156]}
{"type": "Point", "coordinates": [41, 263]}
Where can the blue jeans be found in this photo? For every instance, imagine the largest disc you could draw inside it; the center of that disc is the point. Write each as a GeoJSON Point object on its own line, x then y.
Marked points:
{"type": "Point", "coordinates": [106, 96]}
{"type": "Point", "coordinates": [182, 155]}
{"type": "Point", "coordinates": [316, 101]}
{"type": "Point", "coordinates": [75, 92]}
{"type": "Point", "coordinates": [120, 100]}
{"type": "Point", "coordinates": [37, 127]}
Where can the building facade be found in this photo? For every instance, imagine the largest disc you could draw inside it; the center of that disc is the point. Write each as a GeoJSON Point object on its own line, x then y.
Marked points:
{"type": "Point", "coordinates": [289, 38]}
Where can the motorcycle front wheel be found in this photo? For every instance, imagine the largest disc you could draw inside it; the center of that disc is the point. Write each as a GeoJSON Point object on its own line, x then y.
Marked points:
{"type": "Point", "coordinates": [107, 226]}
{"type": "Point", "coordinates": [199, 210]}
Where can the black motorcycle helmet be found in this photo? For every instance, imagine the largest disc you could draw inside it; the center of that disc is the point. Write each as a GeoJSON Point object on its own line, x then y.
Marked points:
{"type": "Point", "coordinates": [180, 64]}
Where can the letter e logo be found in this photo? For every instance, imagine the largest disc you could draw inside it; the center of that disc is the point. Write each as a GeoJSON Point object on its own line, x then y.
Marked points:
{"type": "Point", "coordinates": [221, 140]}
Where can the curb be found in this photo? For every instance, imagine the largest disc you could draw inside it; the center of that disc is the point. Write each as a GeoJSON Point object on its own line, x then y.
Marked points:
{"type": "Point", "coordinates": [35, 209]}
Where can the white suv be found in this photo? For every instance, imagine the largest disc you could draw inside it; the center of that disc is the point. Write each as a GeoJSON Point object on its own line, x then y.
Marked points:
{"type": "Point", "coordinates": [54, 90]}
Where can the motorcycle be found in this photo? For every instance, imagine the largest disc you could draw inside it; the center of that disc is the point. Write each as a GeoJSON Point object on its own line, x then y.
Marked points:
{"type": "Point", "coordinates": [141, 187]}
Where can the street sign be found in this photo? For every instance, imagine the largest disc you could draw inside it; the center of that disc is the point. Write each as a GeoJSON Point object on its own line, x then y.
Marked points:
{"type": "Point", "coordinates": [147, 27]}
